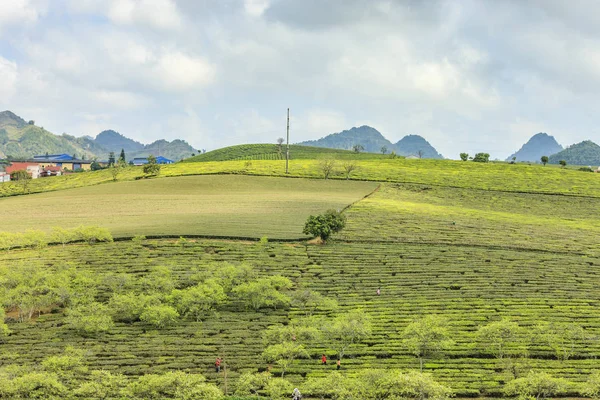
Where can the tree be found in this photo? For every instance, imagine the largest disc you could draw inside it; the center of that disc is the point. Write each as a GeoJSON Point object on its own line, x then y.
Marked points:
{"type": "Point", "coordinates": [4, 331]}
{"type": "Point", "coordinates": [92, 234]}
{"type": "Point", "coordinates": [538, 385]}
{"type": "Point", "coordinates": [514, 159]}
{"type": "Point", "coordinates": [284, 354]}
{"type": "Point", "coordinates": [22, 177]}
{"type": "Point", "coordinates": [111, 158]}
{"type": "Point", "coordinates": [346, 330]}
{"type": "Point", "coordinates": [500, 338]}
{"type": "Point", "coordinates": [254, 384]}
{"type": "Point", "coordinates": [324, 225]}
{"type": "Point", "coordinates": [264, 292]}
{"type": "Point", "coordinates": [562, 163]}
{"type": "Point", "coordinates": [481, 157]}
{"type": "Point", "coordinates": [349, 167]}
{"type": "Point", "coordinates": [159, 315]}
{"type": "Point", "coordinates": [128, 307]}
{"type": "Point", "coordinates": [151, 168]}
{"type": "Point", "coordinates": [427, 336]}
{"type": "Point", "coordinates": [384, 149]}
{"type": "Point", "coordinates": [115, 169]}
{"type": "Point", "coordinates": [199, 300]}
{"type": "Point", "coordinates": [101, 385]}
{"type": "Point", "coordinates": [544, 160]}
{"type": "Point", "coordinates": [95, 165]}
{"type": "Point", "coordinates": [122, 156]}
{"type": "Point", "coordinates": [464, 156]}
{"type": "Point", "coordinates": [592, 385]}
{"type": "Point", "coordinates": [562, 338]}
{"type": "Point", "coordinates": [357, 148]}
{"type": "Point", "coordinates": [309, 301]}
{"type": "Point", "coordinates": [90, 319]}
{"type": "Point", "coordinates": [327, 166]}
{"type": "Point", "coordinates": [420, 153]}
{"type": "Point", "coordinates": [172, 385]}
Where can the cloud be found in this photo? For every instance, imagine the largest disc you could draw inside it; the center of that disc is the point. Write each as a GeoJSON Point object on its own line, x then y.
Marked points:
{"type": "Point", "coordinates": [177, 71]}
{"type": "Point", "coordinates": [8, 83]}
{"type": "Point", "coordinates": [161, 14]}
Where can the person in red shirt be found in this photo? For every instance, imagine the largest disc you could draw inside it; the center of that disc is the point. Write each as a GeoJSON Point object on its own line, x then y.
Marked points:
{"type": "Point", "coordinates": [323, 359]}
{"type": "Point", "coordinates": [218, 365]}
{"type": "Point", "coordinates": [339, 364]}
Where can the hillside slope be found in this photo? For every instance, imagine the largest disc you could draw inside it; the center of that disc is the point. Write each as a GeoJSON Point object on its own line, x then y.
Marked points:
{"type": "Point", "coordinates": [540, 144]}
{"type": "Point", "coordinates": [584, 153]}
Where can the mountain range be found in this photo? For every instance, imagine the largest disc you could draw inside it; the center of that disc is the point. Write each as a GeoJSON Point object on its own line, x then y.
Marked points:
{"type": "Point", "coordinates": [373, 141]}
{"type": "Point", "coordinates": [20, 139]}
{"type": "Point", "coordinates": [540, 144]}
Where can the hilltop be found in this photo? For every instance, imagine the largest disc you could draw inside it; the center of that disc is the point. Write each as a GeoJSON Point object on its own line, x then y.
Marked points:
{"type": "Point", "coordinates": [540, 144]}
{"type": "Point", "coordinates": [373, 141]}
{"type": "Point", "coordinates": [584, 153]}
{"type": "Point", "coordinates": [21, 139]}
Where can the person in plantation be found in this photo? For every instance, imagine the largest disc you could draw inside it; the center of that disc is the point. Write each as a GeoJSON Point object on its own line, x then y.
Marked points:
{"type": "Point", "coordinates": [218, 365]}
{"type": "Point", "coordinates": [296, 394]}
{"type": "Point", "coordinates": [339, 364]}
{"type": "Point", "coordinates": [378, 291]}
{"type": "Point", "coordinates": [323, 359]}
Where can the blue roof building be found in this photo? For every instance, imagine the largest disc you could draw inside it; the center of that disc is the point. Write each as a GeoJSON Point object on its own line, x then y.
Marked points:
{"type": "Point", "coordinates": [144, 160]}
{"type": "Point", "coordinates": [53, 157]}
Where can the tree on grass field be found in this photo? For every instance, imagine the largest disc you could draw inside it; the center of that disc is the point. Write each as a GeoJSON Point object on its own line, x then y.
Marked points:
{"type": "Point", "coordinates": [264, 292]}
{"type": "Point", "coordinates": [384, 149]}
{"type": "Point", "coordinates": [200, 300]}
{"type": "Point", "coordinates": [538, 385]}
{"type": "Point", "coordinates": [349, 167]}
{"type": "Point", "coordinates": [544, 160]}
{"type": "Point", "coordinates": [122, 156]}
{"type": "Point", "coordinates": [347, 330]}
{"type": "Point", "coordinates": [327, 167]}
{"type": "Point", "coordinates": [116, 168]}
{"type": "Point", "coordinates": [284, 354]}
{"type": "Point", "coordinates": [562, 163]}
{"type": "Point", "coordinates": [481, 157]}
{"type": "Point", "coordinates": [309, 301]}
{"type": "Point", "coordinates": [4, 331]}
{"type": "Point", "coordinates": [325, 225]}
{"type": "Point", "coordinates": [420, 153]}
{"type": "Point", "coordinates": [22, 177]}
{"type": "Point", "coordinates": [464, 156]}
{"type": "Point", "coordinates": [357, 148]}
{"type": "Point", "coordinates": [562, 338]}
{"type": "Point", "coordinates": [427, 336]}
{"type": "Point", "coordinates": [159, 315]}
{"type": "Point", "coordinates": [151, 168]}
{"type": "Point", "coordinates": [501, 339]}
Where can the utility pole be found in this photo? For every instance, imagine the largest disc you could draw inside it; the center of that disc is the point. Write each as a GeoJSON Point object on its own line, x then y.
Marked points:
{"type": "Point", "coordinates": [287, 151]}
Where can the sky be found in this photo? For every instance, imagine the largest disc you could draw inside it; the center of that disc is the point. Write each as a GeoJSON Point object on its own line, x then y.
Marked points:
{"type": "Point", "coordinates": [468, 76]}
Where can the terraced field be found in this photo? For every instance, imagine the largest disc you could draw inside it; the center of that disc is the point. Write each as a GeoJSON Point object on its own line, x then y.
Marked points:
{"type": "Point", "coordinates": [234, 206]}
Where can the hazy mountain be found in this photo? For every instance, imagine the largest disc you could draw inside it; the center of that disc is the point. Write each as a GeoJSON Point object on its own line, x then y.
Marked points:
{"type": "Point", "coordinates": [372, 141]}
{"type": "Point", "coordinates": [584, 153]}
{"type": "Point", "coordinates": [114, 141]}
{"type": "Point", "coordinates": [370, 138]}
{"type": "Point", "coordinates": [539, 145]}
{"type": "Point", "coordinates": [21, 139]}
{"type": "Point", "coordinates": [415, 145]}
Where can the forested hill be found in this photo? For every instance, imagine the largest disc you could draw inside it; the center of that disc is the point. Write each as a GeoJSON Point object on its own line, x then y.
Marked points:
{"type": "Point", "coordinates": [21, 139]}
{"type": "Point", "coordinates": [539, 145]}
{"type": "Point", "coordinates": [373, 141]}
{"type": "Point", "coordinates": [584, 153]}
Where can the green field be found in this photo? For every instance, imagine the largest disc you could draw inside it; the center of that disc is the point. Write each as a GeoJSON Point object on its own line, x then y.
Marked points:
{"type": "Point", "coordinates": [470, 242]}
{"type": "Point", "coordinates": [237, 206]}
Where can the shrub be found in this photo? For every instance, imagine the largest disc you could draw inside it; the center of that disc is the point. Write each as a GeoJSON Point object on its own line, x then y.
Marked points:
{"type": "Point", "coordinates": [173, 385]}
{"type": "Point", "coordinates": [93, 234]}
{"type": "Point", "coordinates": [151, 168]}
{"type": "Point", "coordinates": [324, 225]}
{"type": "Point", "coordinates": [464, 156]}
{"type": "Point", "coordinates": [159, 315]}
{"type": "Point", "coordinates": [481, 157]}
{"type": "Point", "coordinates": [90, 319]}
{"type": "Point", "coordinates": [129, 307]}
{"type": "Point", "coordinates": [538, 385]}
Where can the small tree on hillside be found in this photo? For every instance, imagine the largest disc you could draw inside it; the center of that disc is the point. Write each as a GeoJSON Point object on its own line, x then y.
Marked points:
{"type": "Point", "coordinates": [562, 163]}
{"type": "Point", "coordinates": [544, 160]}
{"type": "Point", "coordinates": [536, 385]}
{"type": "Point", "coordinates": [151, 168]}
{"type": "Point", "coordinates": [384, 149]}
{"type": "Point", "coordinates": [420, 153]}
{"type": "Point", "coordinates": [357, 148]}
{"type": "Point", "coordinates": [111, 158]}
{"type": "Point", "coordinates": [346, 330]}
{"type": "Point", "coordinates": [23, 178]}
{"type": "Point", "coordinates": [115, 169]}
{"type": "Point", "coordinates": [481, 157]}
{"type": "Point", "coordinates": [324, 225]}
{"type": "Point", "coordinates": [327, 166]}
{"type": "Point", "coordinates": [122, 156]}
{"type": "Point", "coordinates": [427, 336]}
{"type": "Point", "coordinates": [349, 167]}
{"type": "Point", "coordinates": [500, 338]}
{"type": "Point", "coordinates": [464, 156]}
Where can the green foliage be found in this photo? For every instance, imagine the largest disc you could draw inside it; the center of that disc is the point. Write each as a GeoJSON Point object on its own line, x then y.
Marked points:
{"type": "Point", "coordinates": [229, 275]}
{"type": "Point", "coordinates": [101, 385]}
{"type": "Point", "coordinates": [560, 337]}
{"type": "Point", "coordinates": [90, 319]}
{"type": "Point", "coordinates": [327, 167]}
{"type": "Point", "coordinates": [33, 385]}
{"type": "Point", "coordinates": [324, 225]}
{"type": "Point", "coordinates": [70, 362]}
{"type": "Point", "coordinates": [357, 148]}
{"type": "Point", "coordinates": [264, 292]}
{"type": "Point", "coordinates": [349, 167]}
{"type": "Point", "coordinates": [583, 153]}
{"type": "Point", "coordinates": [284, 354]}
{"type": "Point", "coordinates": [464, 156]}
{"type": "Point", "coordinates": [20, 175]}
{"type": "Point", "coordinates": [538, 385]}
{"type": "Point", "coordinates": [481, 157]}
{"type": "Point", "coordinates": [544, 160]}
{"type": "Point", "coordinates": [591, 387]}
{"type": "Point", "coordinates": [427, 336]}
{"type": "Point", "coordinates": [92, 234]}
{"type": "Point", "coordinates": [62, 236]}
{"type": "Point", "coordinates": [254, 384]}
{"type": "Point", "coordinates": [151, 168]}
{"type": "Point", "coordinates": [562, 163]}
{"type": "Point", "coordinates": [197, 301]}
{"type": "Point", "coordinates": [116, 168]}
{"type": "Point", "coordinates": [159, 315]}
{"type": "Point", "coordinates": [347, 330]}
{"type": "Point", "coordinates": [158, 282]}
{"type": "Point", "coordinates": [502, 339]}
{"type": "Point", "coordinates": [173, 385]}
{"type": "Point", "coordinates": [128, 307]}
{"type": "Point", "coordinates": [309, 301]}
{"type": "Point", "coordinates": [4, 330]}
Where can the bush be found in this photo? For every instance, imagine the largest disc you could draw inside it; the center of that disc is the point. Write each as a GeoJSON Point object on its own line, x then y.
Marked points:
{"type": "Point", "coordinates": [173, 385]}
{"type": "Point", "coordinates": [93, 234]}
{"type": "Point", "coordinates": [481, 157]}
{"type": "Point", "coordinates": [159, 315]}
{"type": "Point", "coordinates": [90, 319]}
{"type": "Point", "coordinates": [129, 307]}
{"type": "Point", "coordinates": [324, 225]}
{"type": "Point", "coordinates": [151, 168]}
{"type": "Point", "coordinates": [586, 169]}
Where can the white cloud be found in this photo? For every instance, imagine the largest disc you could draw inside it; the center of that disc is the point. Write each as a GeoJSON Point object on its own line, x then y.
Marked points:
{"type": "Point", "coordinates": [121, 100]}
{"type": "Point", "coordinates": [162, 14]}
{"type": "Point", "coordinates": [176, 71]}
{"type": "Point", "coordinates": [17, 12]}
{"type": "Point", "coordinates": [256, 8]}
{"type": "Point", "coordinates": [8, 82]}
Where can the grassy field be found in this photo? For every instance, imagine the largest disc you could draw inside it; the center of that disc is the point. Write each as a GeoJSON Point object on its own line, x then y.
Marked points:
{"type": "Point", "coordinates": [469, 175]}
{"type": "Point", "coordinates": [273, 152]}
{"type": "Point", "coordinates": [231, 205]}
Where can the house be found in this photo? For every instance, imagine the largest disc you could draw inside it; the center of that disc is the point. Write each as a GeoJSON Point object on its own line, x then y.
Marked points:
{"type": "Point", "coordinates": [4, 177]}
{"type": "Point", "coordinates": [64, 161]}
{"type": "Point", "coordinates": [51, 171]}
{"type": "Point", "coordinates": [31, 167]}
{"type": "Point", "coordinates": [144, 160]}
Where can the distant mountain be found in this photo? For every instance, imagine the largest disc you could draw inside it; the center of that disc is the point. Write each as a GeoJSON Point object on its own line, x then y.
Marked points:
{"type": "Point", "coordinates": [539, 145]}
{"type": "Point", "coordinates": [584, 153]}
{"type": "Point", "coordinates": [416, 145]}
{"type": "Point", "coordinates": [114, 141]}
{"type": "Point", "coordinates": [372, 141]}
{"type": "Point", "coordinates": [21, 139]}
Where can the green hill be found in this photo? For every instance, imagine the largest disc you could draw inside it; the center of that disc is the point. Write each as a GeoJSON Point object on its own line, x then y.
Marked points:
{"type": "Point", "coordinates": [584, 153]}
{"type": "Point", "coordinates": [274, 152]}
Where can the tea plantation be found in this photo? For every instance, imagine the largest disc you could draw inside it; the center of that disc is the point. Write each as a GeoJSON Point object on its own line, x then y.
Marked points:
{"type": "Point", "coordinates": [469, 244]}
